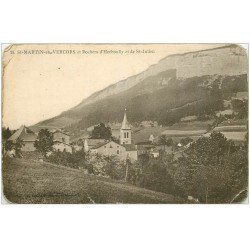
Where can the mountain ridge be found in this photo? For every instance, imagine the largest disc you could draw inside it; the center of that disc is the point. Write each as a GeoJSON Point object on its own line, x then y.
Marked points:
{"type": "Point", "coordinates": [229, 60]}
{"type": "Point", "coordinates": [140, 76]}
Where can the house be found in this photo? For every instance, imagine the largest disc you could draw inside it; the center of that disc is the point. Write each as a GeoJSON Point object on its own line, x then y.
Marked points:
{"type": "Point", "coordinates": [144, 147]}
{"type": "Point", "coordinates": [60, 136]}
{"type": "Point", "coordinates": [108, 148]}
{"type": "Point", "coordinates": [61, 146]}
{"type": "Point", "coordinates": [93, 143]}
{"type": "Point", "coordinates": [131, 152]}
{"type": "Point", "coordinates": [27, 136]}
{"type": "Point", "coordinates": [111, 148]}
{"type": "Point", "coordinates": [61, 141]}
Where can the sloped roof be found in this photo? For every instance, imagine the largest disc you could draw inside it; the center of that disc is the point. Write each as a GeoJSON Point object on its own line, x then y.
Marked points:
{"type": "Point", "coordinates": [60, 142]}
{"type": "Point", "coordinates": [129, 147]}
{"type": "Point", "coordinates": [144, 143]}
{"type": "Point", "coordinates": [145, 147]}
{"type": "Point", "coordinates": [100, 145]}
{"type": "Point", "coordinates": [95, 142]}
{"type": "Point", "coordinates": [24, 134]}
{"type": "Point", "coordinates": [125, 124]}
{"type": "Point", "coordinates": [106, 142]}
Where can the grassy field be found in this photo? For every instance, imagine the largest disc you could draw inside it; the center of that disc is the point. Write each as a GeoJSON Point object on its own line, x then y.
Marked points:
{"type": "Point", "coordinates": [234, 130]}
{"type": "Point", "coordinates": [235, 136]}
{"type": "Point", "coordinates": [26, 181]}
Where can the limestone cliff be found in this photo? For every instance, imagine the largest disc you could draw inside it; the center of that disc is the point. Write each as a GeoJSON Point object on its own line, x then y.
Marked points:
{"type": "Point", "coordinates": [227, 60]}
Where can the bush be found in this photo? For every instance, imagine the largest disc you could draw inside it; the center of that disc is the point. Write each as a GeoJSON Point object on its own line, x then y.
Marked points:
{"type": "Point", "coordinates": [75, 160]}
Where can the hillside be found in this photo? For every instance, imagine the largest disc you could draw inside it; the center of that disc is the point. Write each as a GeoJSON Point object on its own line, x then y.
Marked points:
{"type": "Point", "coordinates": [227, 60]}
{"type": "Point", "coordinates": [178, 84]}
{"type": "Point", "coordinates": [34, 182]}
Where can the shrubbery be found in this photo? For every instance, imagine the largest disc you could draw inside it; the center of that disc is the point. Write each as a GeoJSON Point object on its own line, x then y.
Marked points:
{"type": "Point", "coordinates": [213, 169]}
{"type": "Point", "coordinates": [75, 160]}
{"type": "Point", "coordinates": [107, 166]}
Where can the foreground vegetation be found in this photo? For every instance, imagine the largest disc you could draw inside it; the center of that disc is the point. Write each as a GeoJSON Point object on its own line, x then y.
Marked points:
{"type": "Point", "coordinates": [211, 170]}
{"type": "Point", "coordinates": [26, 181]}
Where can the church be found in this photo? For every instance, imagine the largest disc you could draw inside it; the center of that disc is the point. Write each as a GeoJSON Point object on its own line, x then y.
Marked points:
{"type": "Point", "coordinates": [124, 150]}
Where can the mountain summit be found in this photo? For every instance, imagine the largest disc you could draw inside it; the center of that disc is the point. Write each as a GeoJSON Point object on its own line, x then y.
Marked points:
{"type": "Point", "coordinates": [175, 81]}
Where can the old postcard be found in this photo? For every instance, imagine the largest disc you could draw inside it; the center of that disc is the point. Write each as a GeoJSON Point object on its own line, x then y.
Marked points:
{"type": "Point", "coordinates": [125, 123]}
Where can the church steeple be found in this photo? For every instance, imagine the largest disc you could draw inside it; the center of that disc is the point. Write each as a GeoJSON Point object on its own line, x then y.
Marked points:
{"type": "Point", "coordinates": [125, 132]}
{"type": "Point", "coordinates": [125, 124]}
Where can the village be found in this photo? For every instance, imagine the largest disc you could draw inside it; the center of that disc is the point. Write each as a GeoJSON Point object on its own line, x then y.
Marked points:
{"type": "Point", "coordinates": [122, 146]}
{"type": "Point", "coordinates": [184, 139]}
{"type": "Point", "coordinates": [123, 143]}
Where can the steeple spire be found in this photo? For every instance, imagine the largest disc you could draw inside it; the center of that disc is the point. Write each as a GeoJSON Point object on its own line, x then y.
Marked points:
{"type": "Point", "coordinates": [125, 124]}
{"type": "Point", "coordinates": [125, 132]}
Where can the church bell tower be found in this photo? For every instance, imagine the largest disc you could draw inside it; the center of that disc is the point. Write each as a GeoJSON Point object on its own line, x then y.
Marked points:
{"type": "Point", "coordinates": [125, 132]}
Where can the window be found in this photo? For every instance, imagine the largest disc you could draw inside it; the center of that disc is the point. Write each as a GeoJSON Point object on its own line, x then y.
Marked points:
{"type": "Point", "coordinates": [118, 152]}
{"type": "Point", "coordinates": [63, 139]}
{"type": "Point", "coordinates": [125, 135]}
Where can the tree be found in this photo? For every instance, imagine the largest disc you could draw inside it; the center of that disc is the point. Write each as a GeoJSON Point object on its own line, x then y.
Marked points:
{"type": "Point", "coordinates": [44, 142]}
{"type": "Point", "coordinates": [101, 132]}
{"type": "Point", "coordinates": [169, 142]}
{"type": "Point", "coordinates": [17, 147]}
{"type": "Point", "coordinates": [164, 140]}
{"type": "Point", "coordinates": [6, 133]}
{"type": "Point", "coordinates": [240, 106]}
{"type": "Point", "coordinates": [185, 141]}
{"type": "Point", "coordinates": [213, 169]}
{"type": "Point", "coordinates": [114, 168]}
{"type": "Point", "coordinates": [210, 150]}
{"type": "Point", "coordinates": [76, 159]}
{"type": "Point", "coordinates": [8, 145]}
{"type": "Point", "coordinates": [155, 176]}
{"type": "Point", "coordinates": [215, 99]}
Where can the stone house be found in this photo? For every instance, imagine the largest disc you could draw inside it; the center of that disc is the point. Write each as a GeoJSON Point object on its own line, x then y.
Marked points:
{"type": "Point", "coordinates": [60, 136]}
{"type": "Point", "coordinates": [93, 143]}
{"type": "Point", "coordinates": [61, 146]}
{"type": "Point", "coordinates": [27, 136]}
{"type": "Point", "coordinates": [61, 141]}
{"type": "Point", "coordinates": [111, 148]}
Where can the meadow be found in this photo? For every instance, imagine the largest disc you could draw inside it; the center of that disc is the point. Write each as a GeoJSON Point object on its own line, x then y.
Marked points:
{"type": "Point", "coordinates": [27, 181]}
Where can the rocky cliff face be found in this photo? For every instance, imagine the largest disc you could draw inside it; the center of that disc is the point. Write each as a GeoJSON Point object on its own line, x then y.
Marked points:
{"type": "Point", "coordinates": [175, 81]}
{"type": "Point", "coordinates": [230, 60]}
{"type": "Point", "coordinates": [227, 60]}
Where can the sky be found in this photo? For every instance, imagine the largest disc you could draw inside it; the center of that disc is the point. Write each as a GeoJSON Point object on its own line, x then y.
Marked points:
{"type": "Point", "coordinates": [42, 80]}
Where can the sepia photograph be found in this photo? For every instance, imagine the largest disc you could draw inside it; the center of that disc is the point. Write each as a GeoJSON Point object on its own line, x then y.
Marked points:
{"type": "Point", "coordinates": [125, 123]}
